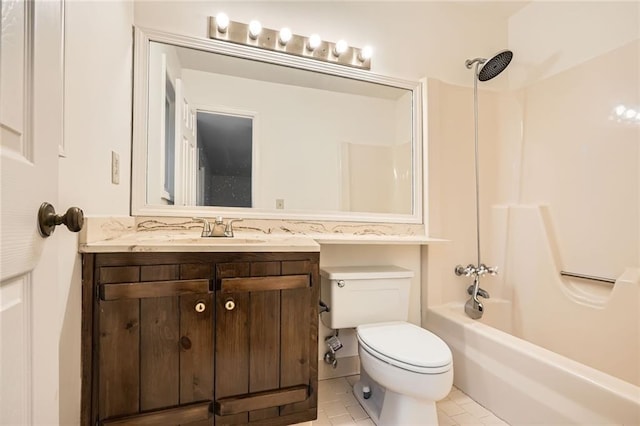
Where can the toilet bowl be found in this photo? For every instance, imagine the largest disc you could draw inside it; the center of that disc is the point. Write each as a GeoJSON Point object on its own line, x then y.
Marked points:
{"type": "Point", "coordinates": [404, 369]}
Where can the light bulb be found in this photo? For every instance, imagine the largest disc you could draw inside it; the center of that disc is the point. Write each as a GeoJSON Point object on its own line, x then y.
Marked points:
{"type": "Point", "coordinates": [365, 53]}
{"type": "Point", "coordinates": [314, 42]}
{"type": "Point", "coordinates": [222, 22]}
{"type": "Point", "coordinates": [255, 28]}
{"type": "Point", "coordinates": [620, 109]}
{"type": "Point", "coordinates": [340, 47]}
{"type": "Point", "coordinates": [284, 36]}
{"type": "Point", "coordinates": [630, 113]}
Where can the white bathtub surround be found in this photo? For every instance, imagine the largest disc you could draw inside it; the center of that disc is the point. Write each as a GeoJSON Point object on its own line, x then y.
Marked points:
{"type": "Point", "coordinates": [524, 383]}
{"type": "Point", "coordinates": [571, 355]}
{"type": "Point", "coordinates": [566, 315]}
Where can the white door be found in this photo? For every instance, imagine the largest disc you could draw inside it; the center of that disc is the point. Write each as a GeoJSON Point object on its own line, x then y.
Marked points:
{"type": "Point", "coordinates": [31, 78]}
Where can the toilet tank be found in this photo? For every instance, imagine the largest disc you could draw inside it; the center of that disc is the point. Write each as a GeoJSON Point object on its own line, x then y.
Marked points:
{"type": "Point", "coordinates": [365, 294]}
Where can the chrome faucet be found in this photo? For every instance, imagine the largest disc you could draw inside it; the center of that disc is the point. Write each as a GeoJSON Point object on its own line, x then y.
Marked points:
{"type": "Point", "coordinates": [218, 228]}
{"type": "Point", "coordinates": [474, 307]}
{"type": "Point", "coordinates": [481, 292]}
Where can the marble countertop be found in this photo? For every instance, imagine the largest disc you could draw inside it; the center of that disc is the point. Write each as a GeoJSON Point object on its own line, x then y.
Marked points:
{"type": "Point", "coordinates": [128, 234]}
{"type": "Point", "coordinates": [192, 242]}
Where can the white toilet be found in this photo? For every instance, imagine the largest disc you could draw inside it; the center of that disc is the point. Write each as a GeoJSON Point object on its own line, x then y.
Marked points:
{"type": "Point", "coordinates": [404, 369]}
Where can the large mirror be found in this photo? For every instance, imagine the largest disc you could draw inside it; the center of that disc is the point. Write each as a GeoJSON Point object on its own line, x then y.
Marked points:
{"type": "Point", "coordinates": [224, 129]}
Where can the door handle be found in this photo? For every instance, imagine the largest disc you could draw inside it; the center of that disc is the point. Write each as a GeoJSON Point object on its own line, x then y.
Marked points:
{"type": "Point", "coordinates": [48, 219]}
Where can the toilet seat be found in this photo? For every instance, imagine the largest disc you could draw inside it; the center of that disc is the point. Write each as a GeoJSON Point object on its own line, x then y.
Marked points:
{"type": "Point", "coordinates": [406, 346]}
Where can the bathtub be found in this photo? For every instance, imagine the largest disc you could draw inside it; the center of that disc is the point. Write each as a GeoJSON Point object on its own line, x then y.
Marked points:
{"type": "Point", "coordinates": [523, 383]}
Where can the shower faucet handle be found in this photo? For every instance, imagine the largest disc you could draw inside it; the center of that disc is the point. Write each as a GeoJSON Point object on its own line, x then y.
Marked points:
{"type": "Point", "coordinates": [484, 269]}
{"type": "Point", "coordinates": [467, 271]}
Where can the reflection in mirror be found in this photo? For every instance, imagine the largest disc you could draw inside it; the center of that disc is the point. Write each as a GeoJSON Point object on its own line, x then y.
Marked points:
{"type": "Point", "coordinates": [224, 148]}
{"type": "Point", "coordinates": [229, 132]}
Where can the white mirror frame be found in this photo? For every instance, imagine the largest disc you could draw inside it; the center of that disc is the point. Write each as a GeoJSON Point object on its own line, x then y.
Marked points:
{"type": "Point", "coordinates": [139, 206]}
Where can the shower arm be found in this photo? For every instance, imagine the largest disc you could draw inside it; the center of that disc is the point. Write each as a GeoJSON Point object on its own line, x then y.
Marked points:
{"type": "Point", "coordinates": [469, 63]}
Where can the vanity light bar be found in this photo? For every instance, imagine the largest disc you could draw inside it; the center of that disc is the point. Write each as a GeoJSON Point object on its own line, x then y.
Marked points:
{"type": "Point", "coordinates": [265, 38]}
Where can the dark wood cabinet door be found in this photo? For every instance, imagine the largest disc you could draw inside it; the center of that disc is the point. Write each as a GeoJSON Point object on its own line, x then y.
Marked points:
{"type": "Point", "coordinates": [154, 346]}
{"type": "Point", "coordinates": [265, 360]}
{"type": "Point", "coordinates": [195, 339]}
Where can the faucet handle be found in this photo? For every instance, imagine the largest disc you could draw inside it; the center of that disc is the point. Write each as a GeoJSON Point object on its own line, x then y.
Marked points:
{"type": "Point", "coordinates": [206, 226]}
{"type": "Point", "coordinates": [484, 269]}
{"type": "Point", "coordinates": [466, 271]}
{"type": "Point", "coordinates": [228, 230]}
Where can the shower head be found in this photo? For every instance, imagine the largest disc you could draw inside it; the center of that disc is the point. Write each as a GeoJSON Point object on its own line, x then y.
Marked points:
{"type": "Point", "coordinates": [491, 67]}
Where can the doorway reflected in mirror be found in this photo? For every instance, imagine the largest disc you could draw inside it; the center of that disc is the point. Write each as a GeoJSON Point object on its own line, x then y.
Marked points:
{"type": "Point", "coordinates": [225, 159]}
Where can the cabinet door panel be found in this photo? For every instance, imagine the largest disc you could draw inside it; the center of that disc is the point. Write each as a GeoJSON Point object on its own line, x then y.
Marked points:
{"type": "Point", "coordinates": [159, 272]}
{"type": "Point", "coordinates": [119, 274]}
{"type": "Point", "coordinates": [259, 269]}
{"type": "Point", "coordinates": [196, 348]}
{"type": "Point", "coordinates": [264, 335]}
{"type": "Point", "coordinates": [159, 328]}
{"type": "Point", "coordinates": [232, 351]}
{"type": "Point", "coordinates": [152, 289]}
{"type": "Point", "coordinates": [295, 342]}
{"type": "Point", "coordinates": [190, 415]}
{"type": "Point", "coordinates": [119, 358]}
{"type": "Point", "coordinates": [229, 270]}
{"type": "Point", "coordinates": [291, 267]}
{"type": "Point", "coordinates": [255, 284]}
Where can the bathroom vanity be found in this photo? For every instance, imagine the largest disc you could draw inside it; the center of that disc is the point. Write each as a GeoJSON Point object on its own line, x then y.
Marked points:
{"type": "Point", "coordinates": [209, 333]}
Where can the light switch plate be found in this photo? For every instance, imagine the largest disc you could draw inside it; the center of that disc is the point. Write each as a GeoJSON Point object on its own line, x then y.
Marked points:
{"type": "Point", "coordinates": [115, 168]}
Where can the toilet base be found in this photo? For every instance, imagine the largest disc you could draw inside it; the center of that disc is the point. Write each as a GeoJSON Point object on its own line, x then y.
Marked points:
{"type": "Point", "coordinates": [387, 408]}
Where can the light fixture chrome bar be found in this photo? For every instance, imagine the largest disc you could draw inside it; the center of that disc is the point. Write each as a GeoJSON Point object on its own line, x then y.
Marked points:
{"type": "Point", "coordinates": [237, 32]}
{"type": "Point", "coordinates": [588, 277]}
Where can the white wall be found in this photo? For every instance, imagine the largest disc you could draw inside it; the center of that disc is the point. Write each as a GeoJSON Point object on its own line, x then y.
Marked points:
{"type": "Point", "coordinates": [410, 39]}
{"type": "Point", "coordinates": [97, 120]}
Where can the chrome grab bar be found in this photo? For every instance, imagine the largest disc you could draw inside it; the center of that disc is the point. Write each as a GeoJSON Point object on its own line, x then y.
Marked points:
{"type": "Point", "coordinates": [588, 277]}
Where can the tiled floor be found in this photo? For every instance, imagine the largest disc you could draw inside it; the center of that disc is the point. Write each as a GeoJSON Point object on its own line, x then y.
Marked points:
{"type": "Point", "coordinates": [338, 406]}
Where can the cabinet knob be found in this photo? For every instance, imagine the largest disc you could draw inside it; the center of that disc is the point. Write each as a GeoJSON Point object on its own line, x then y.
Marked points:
{"type": "Point", "coordinates": [229, 305]}
{"type": "Point", "coordinates": [200, 306]}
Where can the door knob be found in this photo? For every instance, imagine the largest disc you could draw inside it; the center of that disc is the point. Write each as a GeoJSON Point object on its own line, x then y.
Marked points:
{"type": "Point", "coordinates": [48, 219]}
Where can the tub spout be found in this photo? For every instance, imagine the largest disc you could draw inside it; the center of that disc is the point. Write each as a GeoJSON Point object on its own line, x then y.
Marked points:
{"type": "Point", "coordinates": [473, 308]}
{"type": "Point", "coordinates": [481, 292]}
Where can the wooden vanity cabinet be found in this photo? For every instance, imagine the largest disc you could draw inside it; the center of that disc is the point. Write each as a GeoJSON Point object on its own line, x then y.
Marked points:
{"type": "Point", "coordinates": [199, 338]}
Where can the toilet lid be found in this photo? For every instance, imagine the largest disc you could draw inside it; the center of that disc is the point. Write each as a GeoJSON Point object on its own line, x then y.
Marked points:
{"type": "Point", "coordinates": [406, 346]}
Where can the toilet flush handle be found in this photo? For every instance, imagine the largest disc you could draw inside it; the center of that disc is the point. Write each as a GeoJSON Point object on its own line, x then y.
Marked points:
{"type": "Point", "coordinates": [341, 283]}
